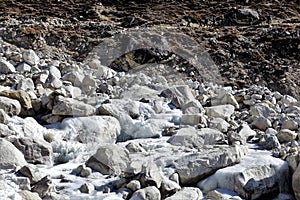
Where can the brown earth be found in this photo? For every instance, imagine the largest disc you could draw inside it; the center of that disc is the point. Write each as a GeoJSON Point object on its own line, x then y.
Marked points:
{"type": "Point", "coordinates": [247, 52]}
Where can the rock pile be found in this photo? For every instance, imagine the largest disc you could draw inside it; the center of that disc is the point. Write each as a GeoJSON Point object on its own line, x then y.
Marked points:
{"type": "Point", "coordinates": [145, 136]}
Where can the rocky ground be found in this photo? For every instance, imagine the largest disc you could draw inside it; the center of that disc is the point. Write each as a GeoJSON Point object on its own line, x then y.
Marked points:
{"type": "Point", "coordinates": [149, 100]}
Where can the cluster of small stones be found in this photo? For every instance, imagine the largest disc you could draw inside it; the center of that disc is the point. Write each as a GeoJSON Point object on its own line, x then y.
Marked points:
{"type": "Point", "coordinates": [158, 139]}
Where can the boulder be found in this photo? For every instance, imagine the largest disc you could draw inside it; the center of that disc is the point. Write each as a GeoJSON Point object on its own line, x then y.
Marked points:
{"type": "Point", "coordinates": [6, 68]}
{"type": "Point", "coordinates": [241, 135]}
{"type": "Point", "coordinates": [92, 129]}
{"type": "Point", "coordinates": [110, 159]}
{"type": "Point", "coordinates": [179, 95]}
{"type": "Point", "coordinates": [219, 124]}
{"type": "Point", "coordinates": [134, 185]}
{"type": "Point", "coordinates": [26, 84]}
{"type": "Point", "coordinates": [286, 135]}
{"type": "Point", "coordinates": [221, 111]}
{"type": "Point", "coordinates": [262, 110]}
{"type": "Point", "coordinates": [30, 57]}
{"type": "Point", "coordinates": [3, 119]}
{"type": "Point", "coordinates": [10, 106]}
{"type": "Point", "coordinates": [8, 189]}
{"type": "Point", "coordinates": [83, 171]}
{"type": "Point", "coordinates": [35, 151]}
{"type": "Point", "coordinates": [27, 127]}
{"type": "Point", "coordinates": [148, 193]}
{"type": "Point", "coordinates": [190, 137]}
{"type": "Point", "coordinates": [150, 175]}
{"type": "Point", "coordinates": [262, 123]}
{"type": "Point", "coordinates": [257, 174]}
{"type": "Point", "coordinates": [10, 156]}
{"type": "Point", "coordinates": [27, 195]}
{"type": "Point", "coordinates": [32, 172]}
{"type": "Point", "coordinates": [269, 142]}
{"type": "Point", "coordinates": [43, 187]}
{"type": "Point", "coordinates": [224, 97]}
{"type": "Point", "coordinates": [189, 193]}
{"type": "Point", "coordinates": [193, 167]}
{"type": "Point", "coordinates": [72, 107]}
{"type": "Point", "coordinates": [23, 67]}
{"type": "Point", "coordinates": [87, 188]}
{"type": "Point", "coordinates": [19, 95]}
{"type": "Point", "coordinates": [289, 124]}
{"type": "Point", "coordinates": [296, 183]}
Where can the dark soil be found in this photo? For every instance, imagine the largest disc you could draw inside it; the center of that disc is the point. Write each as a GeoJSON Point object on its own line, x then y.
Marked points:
{"type": "Point", "coordinates": [264, 52]}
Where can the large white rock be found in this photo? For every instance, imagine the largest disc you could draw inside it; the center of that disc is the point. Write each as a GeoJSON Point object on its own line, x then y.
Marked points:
{"type": "Point", "coordinates": [30, 57]}
{"type": "Point", "coordinates": [26, 84]}
{"type": "Point", "coordinates": [10, 156]}
{"type": "Point", "coordinates": [92, 129]}
{"type": "Point", "coordinates": [241, 135]}
{"type": "Point", "coordinates": [190, 137]}
{"type": "Point", "coordinates": [148, 193]}
{"type": "Point", "coordinates": [10, 106]}
{"type": "Point", "coordinates": [189, 193]}
{"type": "Point", "coordinates": [27, 127]}
{"type": "Point", "coordinates": [221, 111]}
{"type": "Point", "coordinates": [219, 124]}
{"type": "Point", "coordinates": [72, 107]}
{"type": "Point", "coordinates": [262, 110]}
{"type": "Point", "coordinates": [192, 168]}
{"type": "Point", "coordinates": [6, 67]}
{"type": "Point", "coordinates": [179, 95]}
{"type": "Point", "coordinates": [258, 173]}
{"type": "Point", "coordinates": [110, 159]}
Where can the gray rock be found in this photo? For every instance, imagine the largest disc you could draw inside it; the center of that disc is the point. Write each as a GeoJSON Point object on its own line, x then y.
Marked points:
{"type": "Point", "coordinates": [35, 151]}
{"type": "Point", "coordinates": [55, 71]}
{"type": "Point", "coordinates": [269, 142]}
{"type": "Point", "coordinates": [169, 187]}
{"type": "Point", "coordinates": [191, 119]}
{"type": "Point", "coordinates": [10, 156]}
{"type": "Point", "coordinates": [148, 193]}
{"type": "Point", "coordinates": [83, 171]}
{"type": "Point", "coordinates": [189, 193]}
{"type": "Point", "coordinates": [192, 107]}
{"type": "Point", "coordinates": [262, 123]}
{"type": "Point", "coordinates": [92, 129]}
{"type": "Point", "coordinates": [134, 185]}
{"type": "Point", "coordinates": [30, 57]}
{"type": "Point", "coordinates": [134, 147]}
{"type": "Point", "coordinates": [19, 95]}
{"type": "Point", "coordinates": [286, 135]}
{"type": "Point", "coordinates": [43, 187]}
{"type": "Point", "coordinates": [32, 172]}
{"type": "Point", "coordinates": [88, 85]}
{"type": "Point", "coordinates": [27, 195]}
{"type": "Point", "coordinates": [110, 159]}
{"type": "Point", "coordinates": [8, 189]}
{"type": "Point", "coordinates": [53, 82]}
{"type": "Point", "coordinates": [87, 188]}
{"type": "Point", "coordinates": [6, 68]}
{"type": "Point", "coordinates": [219, 124]}
{"type": "Point", "coordinates": [262, 110]}
{"type": "Point", "coordinates": [221, 111]}
{"type": "Point", "coordinates": [179, 95]}
{"type": "Point", "coordinates": [190, 137]}
{"type": "Point", "coordinates": [150, 175]}
{"type": "Point", "coordinates": [10, 106]}
{"type": "Point", "coordinates": [256, 175]}
{"type": "Point", "coordinates": [296, 183]}
{"type": "Point", "coordinates": [192, 168]}
{"type": "Point", "coordinates": [224, 97]}
{"type": "Point", "coordinates": [72, 107]}
{"type": "Point", "coordinates": [289, 124]}
{"type": "Point", "coordinates": [242, 134]}
{"type": "Point", "coordinates": [26, 84]}
{"type": "Point", "coordinates": [293, 161]}
{"type": "Point", "coordinates": [23, 67]}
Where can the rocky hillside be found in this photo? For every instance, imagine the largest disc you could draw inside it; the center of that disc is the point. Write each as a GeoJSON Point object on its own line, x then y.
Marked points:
{"type": "Point", "coordinates": [149, 100]}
